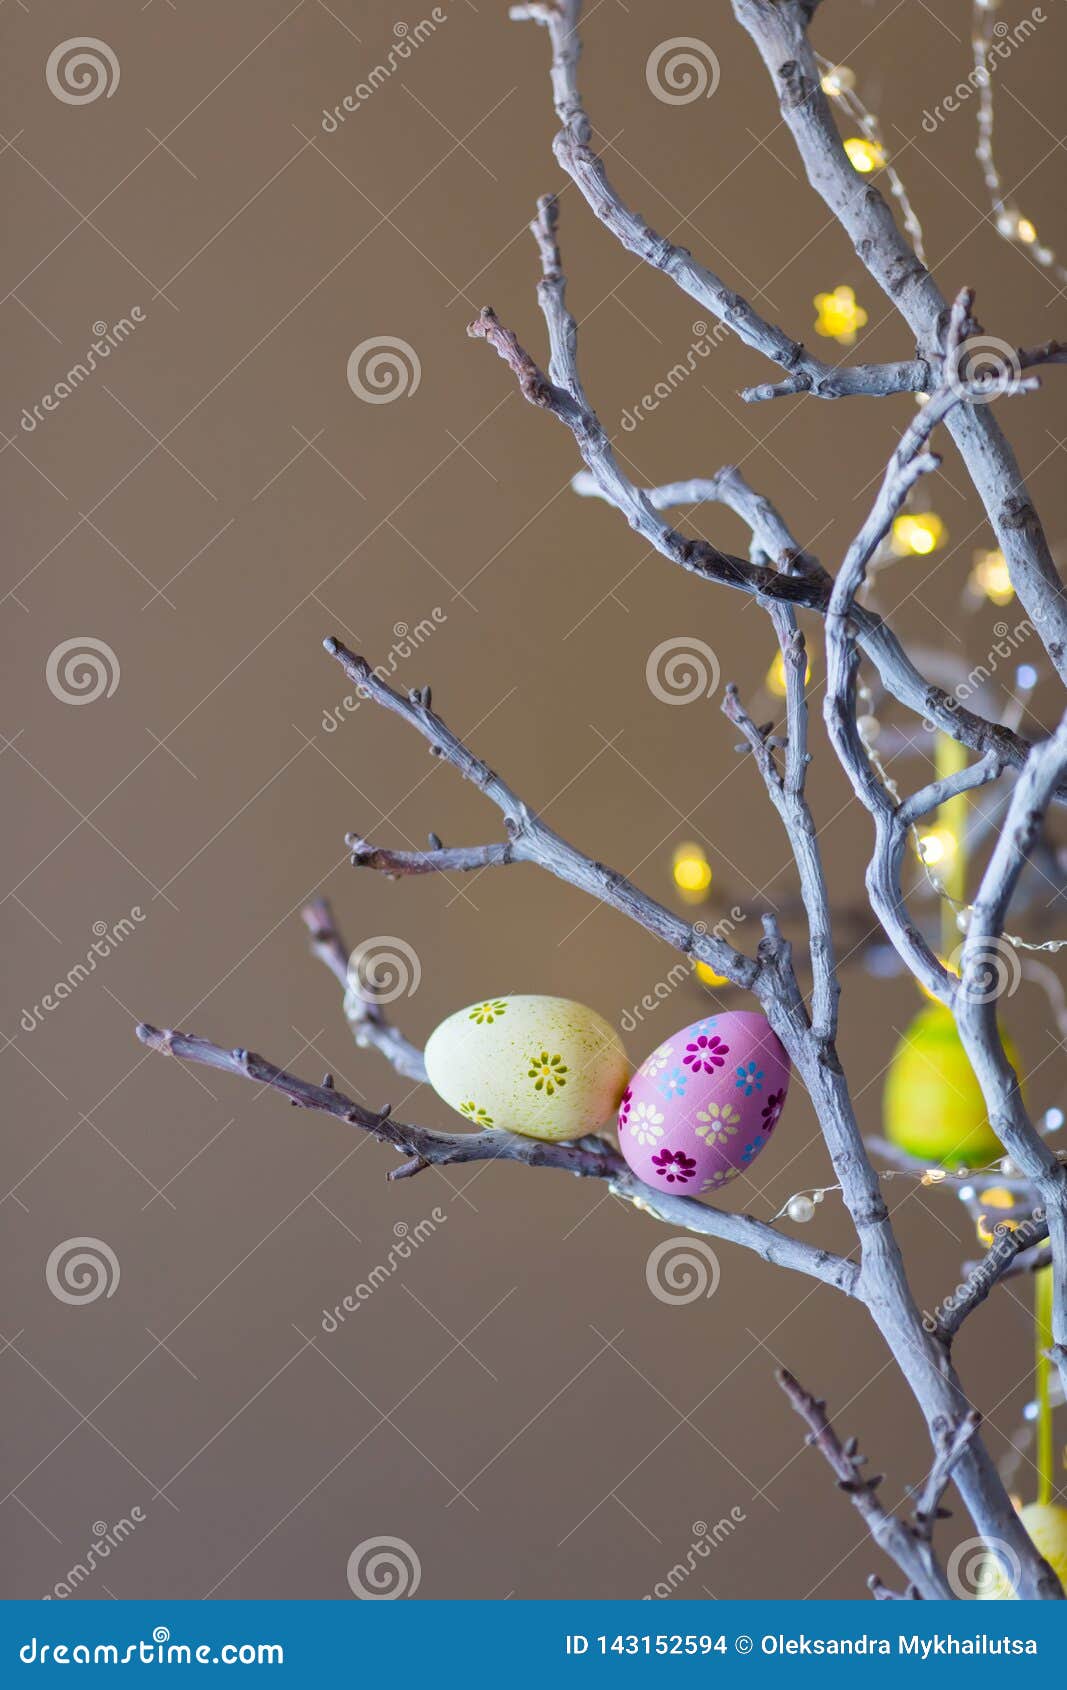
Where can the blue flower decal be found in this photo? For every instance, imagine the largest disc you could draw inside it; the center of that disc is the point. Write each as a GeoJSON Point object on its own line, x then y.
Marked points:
{"type": "Point", "coordinates": [750, 1079]}
{"type": "Point", "coordinates": [673, 1084]}
{"type": "Point", "coordinates": [752, 1150]}
{"type": "Point", "coordinates": [704, 1026]}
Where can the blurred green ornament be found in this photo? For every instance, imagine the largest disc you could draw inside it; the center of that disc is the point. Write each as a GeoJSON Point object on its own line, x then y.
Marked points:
{"type": "Point", "coordinates": [933, 1106]}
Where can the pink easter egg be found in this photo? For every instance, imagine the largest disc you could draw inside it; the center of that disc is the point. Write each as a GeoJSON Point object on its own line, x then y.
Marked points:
{"type": "Point", "coordinates": [700, 1109]}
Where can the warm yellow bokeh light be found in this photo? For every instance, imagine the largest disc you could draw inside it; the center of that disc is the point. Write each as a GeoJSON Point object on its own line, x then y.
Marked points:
{"type": "Point", "coordinates": [865, 155]}
{"type": "Point", "coordinates": [838, 80]}
{"type": "Point", "coordinates": [839, 316]}
{"type": "Point", "coordinates": [708, 977]}
{"type": "Point", "coordinates": [692, 871]}
{"type": "Point", "coordinates": [1025, 230]}
{"type": "Point", "coordinates": [775, 677]}
{"type": "Point", "coordinates": [937, 846]}
{"type": "Point", "coordinates": [990, 577]}
{"type": "Point", "coordinates": [917, 533]}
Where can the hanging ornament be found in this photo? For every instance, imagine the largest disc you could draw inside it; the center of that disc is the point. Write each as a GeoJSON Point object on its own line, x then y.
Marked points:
{"type": "Point", "coordinates": [541, 1066]}
{"type": "Point", "coordinates": [933, 1106]}
{"type": "Point", "coordinates": [703, 1105]}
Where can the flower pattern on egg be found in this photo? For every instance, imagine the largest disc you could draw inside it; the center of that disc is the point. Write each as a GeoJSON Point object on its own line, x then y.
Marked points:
{"type": "Point", "coordinates": [625, 1105]}
{"type": "Point", "coordinates": [646, 1123]}
{"type": "Point", "coordinates": [484, 1014]}
{"type": "Point", "coordinates": [721, 1177]}
{"type": "Point", "coordinates": [717, 1123]}
{"type": "Point", "coordinates": [719, 1086]}
{"type": "Point", "coordinates": [772, 1109]}
{"type": "Point", "coordinates": [547, 1073]}
{"type": "Point", "coordinates": [656, 1062]}
{"type": "Point", "coordinates": [674, 1166]}
{"type": "Point", "coordinates": [705, 1053]}
{"type": "Point", "coordinates": [673, 1084]}
{"type": "Point", "coordinates": [474, 1112]}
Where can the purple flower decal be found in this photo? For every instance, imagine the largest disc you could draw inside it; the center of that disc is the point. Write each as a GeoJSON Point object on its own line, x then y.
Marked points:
{"type": "Point", "coordinates": [674, 1166]}
{"type": "Point", "coordinates": [625, 1106]}
{"type": "Point", "coordinates": [772, 1109]}
{"type": "Point", "coordinates": [705, 1053]}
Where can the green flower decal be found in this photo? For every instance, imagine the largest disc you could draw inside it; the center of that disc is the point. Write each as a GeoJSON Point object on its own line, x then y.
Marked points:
{"type": "Point", "coordinates": [474, 1112]}
{"type": "Point", "coordinates": [488, 1012]}
{"type": "Point", "coordinates": [547, 1072]}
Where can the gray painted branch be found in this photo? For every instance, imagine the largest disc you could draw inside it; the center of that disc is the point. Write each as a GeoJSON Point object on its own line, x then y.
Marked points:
{"type": "Point", "coordinates": [370, 1025]}
{"type": "Point", "coordinates": [883, 1283]}
{"type": "Point", "coordinates": [779, 30]}
{"type": "Point", "coordinates": [876, 639]}
{"type": "Point", "coordinates": [572, 148]}
{"type": "Point", "coordinates": [531, 840]}
{"type": "Point", "coordinates": [592, 1158]}
{"type": "Point", "coordinates": [909, 1548]}
{"type": "Point", "coordinates": [976, 1011]}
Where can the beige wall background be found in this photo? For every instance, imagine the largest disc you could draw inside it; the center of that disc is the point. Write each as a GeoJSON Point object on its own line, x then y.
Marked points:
{"type": "Point", "coordinates": [514, 1404]}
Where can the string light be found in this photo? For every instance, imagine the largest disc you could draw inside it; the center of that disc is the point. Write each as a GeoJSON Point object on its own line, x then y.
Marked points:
{"type": "Point", "coordinates": [692, 872]}
{"type": "Point", "coordinates": [865, 155]}
{"type": "Point", "coordinates": [1009, 221]}
{"type": "Point", "coordinates": [937, 846]}
{"type": "Point", "coordinates": [838, 83]}
{"type": "Point", "coordinates": [839, 317]}
{"type": "Point", "coordinates": [989, 578]}
{"type": "Point", "coordinates": [917, 534]}
{"type": "Point", "coordinates": [838, 79]}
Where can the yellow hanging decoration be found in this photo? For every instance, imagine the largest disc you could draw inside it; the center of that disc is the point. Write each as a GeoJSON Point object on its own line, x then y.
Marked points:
{"type": "Point", "coordinates": [1046, 1525]}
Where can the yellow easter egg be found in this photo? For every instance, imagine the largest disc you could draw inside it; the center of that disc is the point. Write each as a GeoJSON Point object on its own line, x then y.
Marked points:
{"type": "Point", "coordinates": [542, 1066]}
{"type": "Point", "coordinates": [1046, 1525]}
{"type": "Point", "coordinates": [932, 1105]}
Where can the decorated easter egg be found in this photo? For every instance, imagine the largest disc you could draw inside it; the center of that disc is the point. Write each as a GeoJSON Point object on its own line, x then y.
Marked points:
{"type": "Point", "coordinates": [542, 1066]}
{"type": "Point", "coordinates": [1046, 1525]}
{"type": "Point", "coordinates": [933, 1106]}
{"type": "Point", "coordinates": [704, 1104]}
